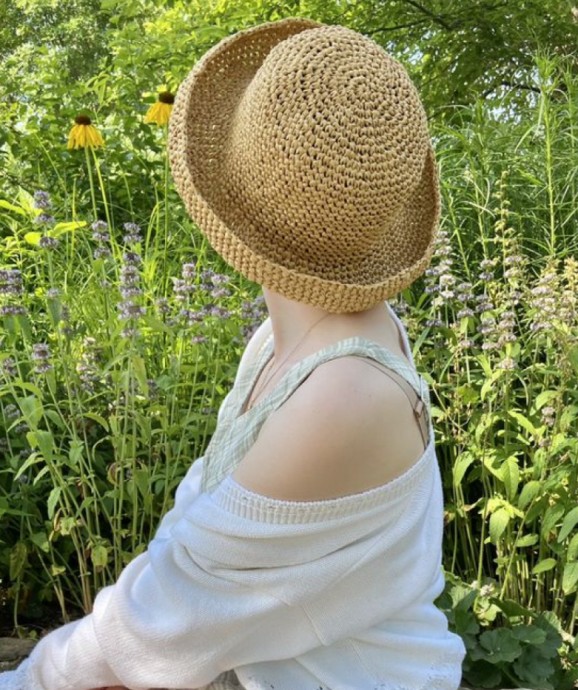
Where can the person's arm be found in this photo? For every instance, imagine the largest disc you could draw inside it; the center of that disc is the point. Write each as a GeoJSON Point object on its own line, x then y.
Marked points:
{"type": "Point", "coordinates": [234, 570]}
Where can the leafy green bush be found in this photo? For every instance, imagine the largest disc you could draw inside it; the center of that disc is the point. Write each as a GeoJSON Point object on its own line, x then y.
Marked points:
{"type": "Point", "coordinates": [515, 654]}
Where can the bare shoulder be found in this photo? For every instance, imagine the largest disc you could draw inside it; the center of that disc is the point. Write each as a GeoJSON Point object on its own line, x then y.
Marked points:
{"type": "Point", "coordinates": [347, 428]}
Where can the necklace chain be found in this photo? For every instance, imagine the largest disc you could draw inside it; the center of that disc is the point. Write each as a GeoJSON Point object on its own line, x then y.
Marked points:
{"type": "Point", "coordinates": [255, 393]}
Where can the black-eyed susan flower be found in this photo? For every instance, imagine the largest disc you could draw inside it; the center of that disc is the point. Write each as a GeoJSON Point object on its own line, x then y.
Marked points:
{"type": "Point", "coordinates": [160, 111]}
{"type": "Point", "coordinates": [84, 134]}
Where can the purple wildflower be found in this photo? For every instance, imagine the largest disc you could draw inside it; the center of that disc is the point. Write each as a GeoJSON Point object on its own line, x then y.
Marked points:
{"type": "Point", "coordinates": [548, 415]}
{"type": "Point", "coordinates": [191, 316]}
{"type": "Point", "coordinates": [42, 200]}
{"type": "Point", "coordinates": [507, 363]}
{"type": "Point", "coordinates": [11, 412]}
{"type": "Point", "coordinates": [99, 226]}
{"type": "Point", "coordinates": [41, 355]}
{"type": "Point", "coordinates": [102, 253]}
{"type": "Point", "coordinates": [465, 312]}
{"type": "Point", "coordinates": [86, 366]}
{"type": "Point", "coordinates": [544, 299]}
{"type": "Point", "coordinates": [101, 236]}
{"type": "Point", "coordinates": [130, 310]}
{"type": "Point", "coordinates": [219, 279]}
{"type": "Point", "coordinates": [129, 332]}
{"type": "Point", "coordinates": [11, 282]}
{"type": "Point", "coordinates": [9, 368]}
{"type": "Point", "coordinates": [12, 310]}
{"type": "Point", "coordinates": [49, 243]}
{"type": "Point", "coordinates": [189, 270]}
{"type": "Point", "coordinates": [44, 219]}
{"type": "Point", "coordinates": [133, 233]}
{"type": "Point", "coordinates": [162, 305]}
{"type": "Point", "coordinates": [132, 258]}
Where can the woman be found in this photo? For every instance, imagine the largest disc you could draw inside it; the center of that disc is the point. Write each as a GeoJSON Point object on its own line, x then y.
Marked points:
{"type": "Point", "coordinates": [304, 549]}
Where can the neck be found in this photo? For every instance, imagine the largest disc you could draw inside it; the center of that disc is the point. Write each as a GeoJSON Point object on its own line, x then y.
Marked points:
{"type": "Point", "coordinates": [290, 320]}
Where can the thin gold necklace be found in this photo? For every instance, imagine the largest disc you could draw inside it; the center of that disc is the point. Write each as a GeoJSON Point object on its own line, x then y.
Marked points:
{"type": "Point", "coordinates": [255, 393]}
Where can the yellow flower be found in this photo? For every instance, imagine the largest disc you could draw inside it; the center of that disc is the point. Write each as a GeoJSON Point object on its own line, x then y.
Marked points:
{"type": "Point", "coordinates": [160, 111]}
{"type": "Point", "coordinates": [84, 134]}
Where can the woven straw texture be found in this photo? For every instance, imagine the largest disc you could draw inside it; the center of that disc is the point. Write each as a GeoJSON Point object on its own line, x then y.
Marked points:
{"type": "Point", "coordinates": [302, 152]}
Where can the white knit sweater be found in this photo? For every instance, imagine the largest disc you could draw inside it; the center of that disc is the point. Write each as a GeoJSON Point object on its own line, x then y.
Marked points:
{"type": "Point", "coordinates": [325, 595]}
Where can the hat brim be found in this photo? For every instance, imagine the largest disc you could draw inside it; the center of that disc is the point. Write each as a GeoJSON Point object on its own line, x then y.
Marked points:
{"type": "Point", "coordinates": [199, 129]}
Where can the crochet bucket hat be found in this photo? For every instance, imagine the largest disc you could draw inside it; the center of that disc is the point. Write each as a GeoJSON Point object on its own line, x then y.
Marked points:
{"type": "Point", "coordinates": [302, 152]}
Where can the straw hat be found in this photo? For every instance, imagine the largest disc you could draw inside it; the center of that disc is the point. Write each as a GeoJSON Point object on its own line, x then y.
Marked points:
{"type": "Point", "coordinates": [301, 150]}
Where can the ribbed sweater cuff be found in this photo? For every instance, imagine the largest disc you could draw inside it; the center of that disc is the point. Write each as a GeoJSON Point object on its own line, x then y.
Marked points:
{"type": "Point", "coordinates": [243, 503]}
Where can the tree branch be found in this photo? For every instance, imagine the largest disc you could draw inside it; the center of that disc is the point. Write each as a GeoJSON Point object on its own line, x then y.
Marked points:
{"type": "Point", "coordinates": [395, 28]}
{"type": "Point", "coordinates": [512, 85]}
{"type": "Point", "coordinates": [429, 13]}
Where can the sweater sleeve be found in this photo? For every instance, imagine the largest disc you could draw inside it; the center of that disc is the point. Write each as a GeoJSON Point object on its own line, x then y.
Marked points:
{"type": "Point", "coordinates": [178, 616]}
{"type": "Point", "coordinates": [227, 587]}
{"type": "Point", "coordinates": [233, 578]}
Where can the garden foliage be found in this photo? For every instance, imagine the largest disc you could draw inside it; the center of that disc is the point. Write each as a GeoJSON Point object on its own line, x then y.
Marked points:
{"type": "Point", "coordinates": [121, 330]}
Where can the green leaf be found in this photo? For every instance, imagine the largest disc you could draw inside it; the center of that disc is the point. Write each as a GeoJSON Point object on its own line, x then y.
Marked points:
{"type": "Point", "coordinates": [462, 463]}
{"type": "Point", "coordinates": [18, 560]}
{"type": "Point", "coordinates": [75, 452]}
{"type": "Point", "coordinates": [467, 394]}
{"type": "Point", "coordinates": [573, 357]}
{"type": "Point", "coordinates": [97, 418]}
{"type": "Point", "coordinates": [511, 608]}
{"type": "Point", "coordinates": [570, 577]}
{"type": "Point", "coordinates": [533, 668]}
{"type": "Point", "coordinates": [500, 646]}
{"type": "Point", "coordinates": [99, 555]}
{"type": "Point", "coordinates": [568, 524]}
{"type": "Point", "coordinates": [528, 493]}
{"type": "Point", "coordinates": [140, 373]}
{"type": "Point", "coordinates": [32, 410]}
{"type": "Point", "coordinates": [544, 565]}
{"type": "Point", "coordinates": [66, 525]}
{"type": "Point", "coordinates": [572, 551]}
{"type": "Point", "coordinates": [32, 459]}
{"type": "Point", "coordinates": [551, 518]}
{"type": "Point", "coordinates": [10, 207]}
{"type": "Point", "coordinates": [544, 397]}
{"type": "Point", "coordinates": [141, 479]}
{"type": "Point", "coordinates": [529, 633]}
{"type": "Point", "coordinates": [527, 540]}
{"type": "Point", "coordinates": [62, 228]}
{"type": "Point", "coordinates": [33, 238]}
{"type": "Point", "coordinates": [524, 422]}
{"type": "Point", "coordinates": [40, 540]}
{"type": "Point", "coordinates": [511, 474]}
{"type": "Point", "coordinates": [498, 522]}
{"type": "Point", "coordinates": [44, 440]}
{"type": "Point", "coordinates": [53, 500]}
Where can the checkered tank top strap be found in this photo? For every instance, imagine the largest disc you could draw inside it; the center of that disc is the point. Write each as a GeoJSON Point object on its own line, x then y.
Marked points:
{"type": "Point", "coordinates": [237, 431]}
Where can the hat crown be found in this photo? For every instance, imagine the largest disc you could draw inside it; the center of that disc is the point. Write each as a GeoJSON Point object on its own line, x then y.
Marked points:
{"type": "Point", "coordinates": [301, 151]}
{"type": "Point", "coordinates": [330, 134]}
